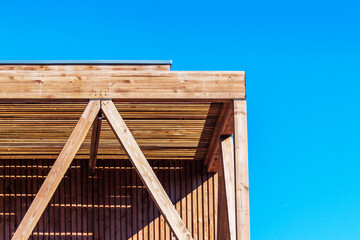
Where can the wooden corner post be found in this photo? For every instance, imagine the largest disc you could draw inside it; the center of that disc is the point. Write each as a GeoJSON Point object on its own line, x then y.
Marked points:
{"type": "Point", "coordinates": [241, 171]}
{"type": "Point", "coordinates": [144, 170]}
{"type": "Point", "coordinates": [57, 172]}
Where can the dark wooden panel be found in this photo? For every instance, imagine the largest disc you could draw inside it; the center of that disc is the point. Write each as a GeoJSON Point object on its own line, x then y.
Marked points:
{"type": "Point", "coordinates": [111, 204]}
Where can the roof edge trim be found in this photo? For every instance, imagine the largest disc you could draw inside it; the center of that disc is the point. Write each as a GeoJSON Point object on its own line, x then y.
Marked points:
{"type": "Point", "coordinates": [85, 62]}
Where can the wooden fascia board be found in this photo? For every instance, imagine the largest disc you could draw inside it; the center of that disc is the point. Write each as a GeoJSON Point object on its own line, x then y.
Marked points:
{"type": "Point", "coordinates": [161, 85]}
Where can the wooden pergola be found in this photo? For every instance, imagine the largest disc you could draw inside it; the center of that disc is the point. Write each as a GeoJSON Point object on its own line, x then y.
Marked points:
{"type": "Point", "coordinates": [138, 111]}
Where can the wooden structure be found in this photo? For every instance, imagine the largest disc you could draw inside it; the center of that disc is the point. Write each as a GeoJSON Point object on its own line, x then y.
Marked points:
{"type": "Point", "coordinates": [122, 150]}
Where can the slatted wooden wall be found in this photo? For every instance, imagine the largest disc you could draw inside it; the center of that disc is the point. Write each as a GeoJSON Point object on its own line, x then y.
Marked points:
{"type": "Point", "coordinates": [112, 203]}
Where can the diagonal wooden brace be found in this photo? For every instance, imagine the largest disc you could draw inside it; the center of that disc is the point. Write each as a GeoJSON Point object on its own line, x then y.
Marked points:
{"type": "Point", "coordinates": [95, 139]}
{"type": "Point", "coordinates": [145, 171]}
{"type": "Point", "coordinates": [57, 172]}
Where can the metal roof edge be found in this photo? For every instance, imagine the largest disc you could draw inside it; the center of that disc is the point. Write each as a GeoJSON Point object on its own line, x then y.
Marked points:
{"type": "Point", "coordinates": [85, 62]}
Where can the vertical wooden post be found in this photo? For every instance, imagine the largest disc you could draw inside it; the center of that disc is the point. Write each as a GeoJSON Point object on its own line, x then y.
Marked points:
{"type": "Point", "coordinates": [241, 171]}
{"type": "Point", "coordinates": [57, 172]}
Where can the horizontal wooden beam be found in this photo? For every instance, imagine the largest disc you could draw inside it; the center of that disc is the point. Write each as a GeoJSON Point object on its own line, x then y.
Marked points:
{"type": "Point", "coordinates": [120, 84]}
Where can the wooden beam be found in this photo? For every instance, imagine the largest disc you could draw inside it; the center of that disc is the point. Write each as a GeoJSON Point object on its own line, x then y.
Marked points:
{"type": "Point", "coordinates": [145, 171]}
{"type": "Point", "coordinates": [216, 133]}
{"type": "Point", "coordinates": [228, 185]}
{"type": "Point", "coordinates": [225, 127]}
{"type": "Point", "coordinates": [119, 84]}
{"type": "Point", "coordinates": [241, 171]}
{"type": "Point", "coordinates": [94, 146]}
{"type": "Point", "coordinates": [57, 172]}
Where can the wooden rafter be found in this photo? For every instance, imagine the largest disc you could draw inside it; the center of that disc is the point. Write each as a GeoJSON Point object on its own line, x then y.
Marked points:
{"type": "Point", "coordinates": [95, 137]}
{"type": "Point", "coordinates": [57, 172]}
{"type": "Point", "coordinates": [145, 171]}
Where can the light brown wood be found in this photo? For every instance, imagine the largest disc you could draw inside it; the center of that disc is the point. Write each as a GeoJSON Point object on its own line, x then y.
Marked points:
{"type": "Point", "coordinates": [222, 221]}
{"type": "Point", "coordinates": [57, 172]}
{"type": "Point", "coordinates": [82, 84]}
{"type": "Point", "coordinates": [241, 171]}
{"type": "Point", "coordinates": [95, 139]}
{"type": "Point", "coordinates": [224, 127]}
{"type": "Point", "coordinates": [145, 171]}
{"type": "Point", "coordinates": [227, 161]}
{"type": "Point", "coordinates": [163, 130]}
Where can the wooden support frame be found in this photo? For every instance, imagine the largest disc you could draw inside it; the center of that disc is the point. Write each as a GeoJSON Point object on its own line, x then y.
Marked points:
{"type": "Point", "coordinates": [145, 171]}
{"type": "Point", "coordinates": [95, 137]}
{"type": "Point", "coordinates": [57, 172]}
{"type": "Point", "coordinates": [241, 171]}
{"type": "Point", "coordinates": [78, 83]}
{"type": "Point", "coordinates": [234, 180]}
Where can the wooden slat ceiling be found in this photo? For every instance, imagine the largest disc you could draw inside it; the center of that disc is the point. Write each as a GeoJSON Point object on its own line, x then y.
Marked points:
{"type": "Point", "coordinates": [178, 131]}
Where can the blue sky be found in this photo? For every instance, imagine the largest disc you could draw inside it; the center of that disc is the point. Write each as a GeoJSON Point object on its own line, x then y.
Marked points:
{"type": "Point", "coordinates": [302, 61]}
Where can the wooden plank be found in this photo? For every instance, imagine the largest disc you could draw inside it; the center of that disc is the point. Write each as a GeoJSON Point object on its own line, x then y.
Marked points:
{"type": "Point", "coordinates": [216, 203]}
{"type": "Point", "coordinates": [200, 200]}
{"type": "Point", "coordinates": [176, 170]}
{"type": "Point", "coordinates": [117, 198]}
{"type": "Point", "coordinates": [95, 139]}
{"type": "Point", "coordinates": [145, 171]}
{"type": "Point", "coordinates": [194, 203]}
{"type": "Point", "coordinates": [225, 128]}
{"type": "Point", "coordinates": [112, 202]}
{"type": "Point", "coordinates": [227, 161]}
{"type": "Point", "coordinates": [241, 171]}
{"type": "Point", "coordinates": [57, 172]}
{"type": "Point", "coordinates": [2, 191]}
{"type": "Point", "coordinates": [41, 130]}
{"type": "Point", "coordinates": [169, 185]}
{"type": "Point", "coordinates": [222, 211]}
{"type": "Point", "coordinates": [211, 208]}
{"type": "Point", "coordinates": [101, 182]}
{"type": "Point", "coordinates": [79, 84]}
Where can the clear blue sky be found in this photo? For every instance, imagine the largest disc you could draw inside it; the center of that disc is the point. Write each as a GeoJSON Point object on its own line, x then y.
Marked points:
{"type": "Point", "coordinates": [302, 60]}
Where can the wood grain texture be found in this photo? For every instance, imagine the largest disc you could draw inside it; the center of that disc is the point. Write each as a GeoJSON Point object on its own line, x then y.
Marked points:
{"type": "Point", "coordinates": [95, 139]}
{"type": "Point", "coordinates": [124, 198]}
{"type": "Point", "coordinates": [163, 130]}
{"type": "Point", "coordinates": [57, 172]}
{"type": "Point", "coordinates": [145, 171]}
{"type": "Point", "coordinates": [227, 161]}
{"type": "Point", "coordinates": [112, 84]}
{"type": "Point", "coordinates": [241, 171]}
{"type": "Point", "coordinates": [224, 126]}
